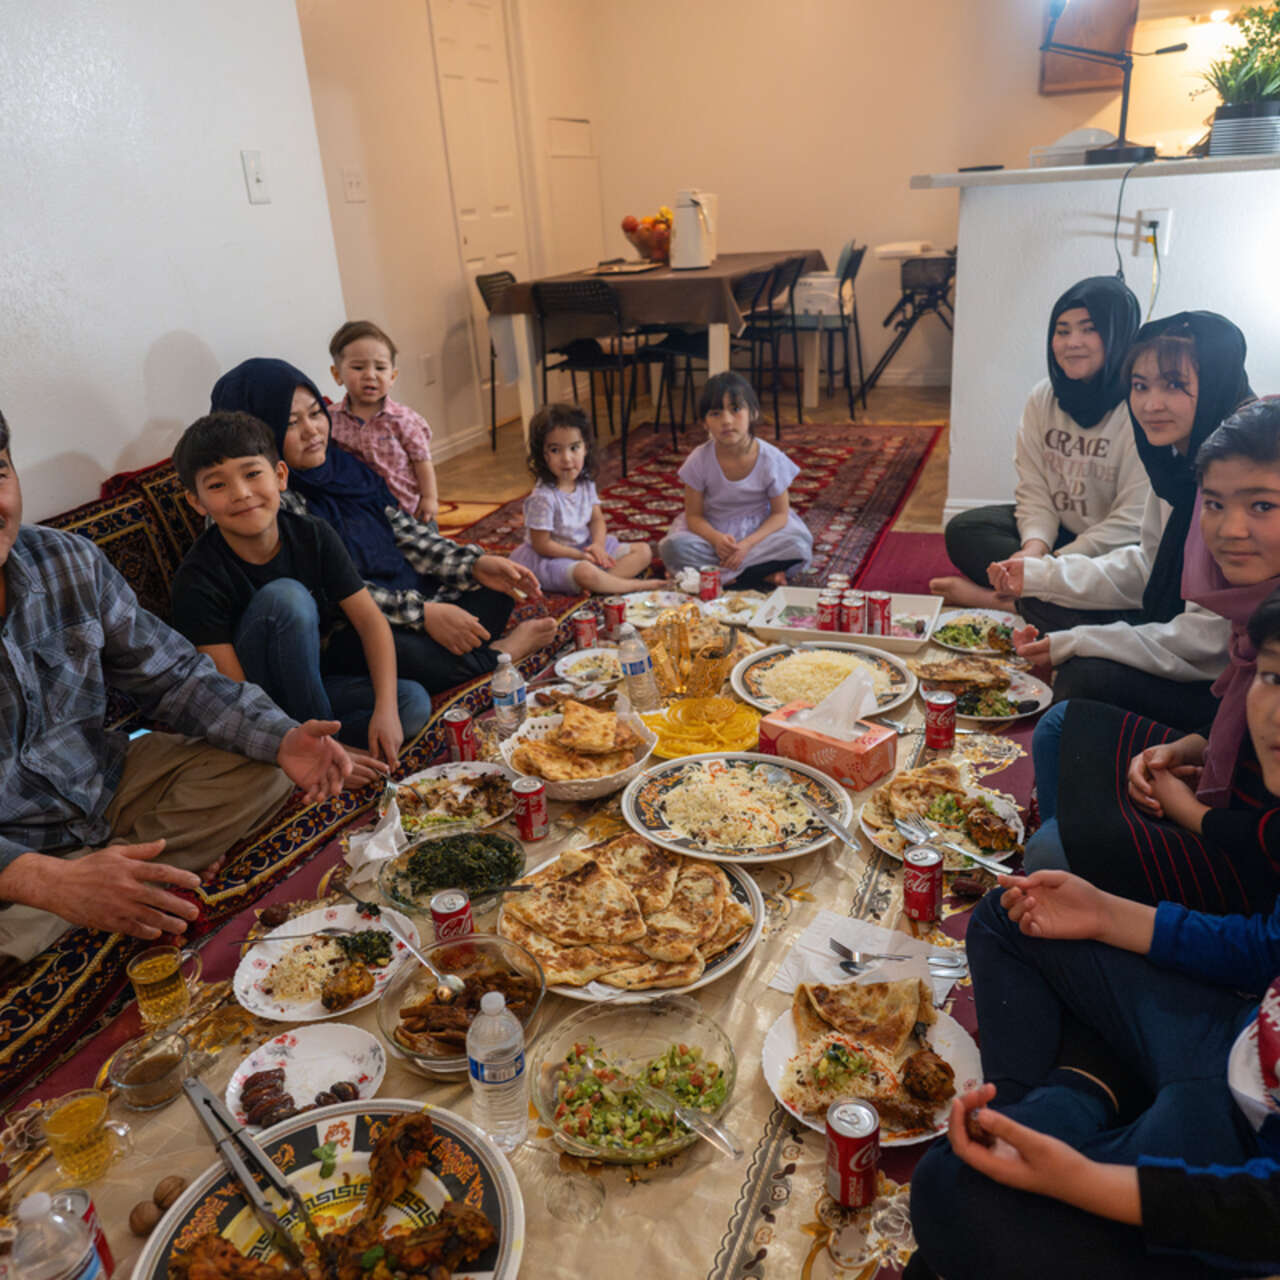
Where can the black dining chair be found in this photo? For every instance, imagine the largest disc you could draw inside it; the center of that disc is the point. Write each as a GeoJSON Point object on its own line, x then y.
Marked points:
{"type": "Point", "coordinates": [492, 286]}
{"type": "Point", "coordinates": [850, 264]}
{"type": "Point", "coordinates": [769, 323]}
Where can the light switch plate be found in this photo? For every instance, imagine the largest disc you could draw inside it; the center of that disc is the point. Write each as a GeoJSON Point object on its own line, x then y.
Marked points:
{"type": "Point", "coordinates": [255, 177]}
{"type": "Point", "coordinates": [353, 188]}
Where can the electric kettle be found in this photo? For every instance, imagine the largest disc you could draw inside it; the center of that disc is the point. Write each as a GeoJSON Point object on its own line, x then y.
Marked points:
{"type": "Point", "coordinates": [693, 233]}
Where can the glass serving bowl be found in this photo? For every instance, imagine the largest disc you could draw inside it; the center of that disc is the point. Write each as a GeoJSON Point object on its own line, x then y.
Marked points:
{"type": "Point", "coordinates": [630, 1037]}
{"type": "Point", "coordinates": [394, 885]}
{"type": "Point", "coordinates": [462, 956]}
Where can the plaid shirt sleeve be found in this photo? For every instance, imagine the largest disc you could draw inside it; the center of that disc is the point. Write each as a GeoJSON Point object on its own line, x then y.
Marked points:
{"type": "Point", "coordinates": [430, 553]}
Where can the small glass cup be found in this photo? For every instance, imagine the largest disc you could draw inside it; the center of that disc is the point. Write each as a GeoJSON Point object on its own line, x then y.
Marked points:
{"type": "Point", "coordinates": [148, 1073]}
{"type": "Point", "coordinates": [83, 1141]}
{"type": "Point", "coordinates": [164, 992]}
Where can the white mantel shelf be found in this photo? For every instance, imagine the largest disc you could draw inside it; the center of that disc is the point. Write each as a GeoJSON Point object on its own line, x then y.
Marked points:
{"type": "Point", "coordinates": [1095, 172]}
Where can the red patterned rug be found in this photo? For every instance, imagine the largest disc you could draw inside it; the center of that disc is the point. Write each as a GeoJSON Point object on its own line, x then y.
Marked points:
{"type": "Point", "coordinates": [854, 478]}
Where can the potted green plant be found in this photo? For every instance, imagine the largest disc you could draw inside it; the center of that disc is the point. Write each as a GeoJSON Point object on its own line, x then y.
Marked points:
{"type": "Point", "coordinates": [1247, 79]}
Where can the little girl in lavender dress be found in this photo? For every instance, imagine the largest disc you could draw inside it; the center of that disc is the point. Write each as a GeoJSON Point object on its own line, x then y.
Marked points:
{"type": "Point", "coordinates": [566, 544]}
{"type": "Point", "coordinates": [737, 512]}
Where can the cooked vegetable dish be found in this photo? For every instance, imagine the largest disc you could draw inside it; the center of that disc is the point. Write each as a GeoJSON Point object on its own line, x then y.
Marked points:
{"type": "Point", "coordinates": [474, 862]}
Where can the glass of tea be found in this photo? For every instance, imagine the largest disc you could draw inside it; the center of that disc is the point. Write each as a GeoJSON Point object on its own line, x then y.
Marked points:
{"type": "Point", "coordinates": [164, 992]}
{"type": "Point", "coordinates": [83, 1141]}
{"type": "Point", "coordinates": [148, 1073]}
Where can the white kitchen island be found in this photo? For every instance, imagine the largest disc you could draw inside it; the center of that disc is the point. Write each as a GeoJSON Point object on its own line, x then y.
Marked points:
{"type": "Point", "coordinates": [1026, 235]}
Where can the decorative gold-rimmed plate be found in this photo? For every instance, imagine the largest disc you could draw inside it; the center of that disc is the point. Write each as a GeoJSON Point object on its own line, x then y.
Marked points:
{"type": "Point", "coordinates": [1023, 688]}
{"type": "Point", "coordinates": [590, 666]}
{"type": "Point", "coordinates": [977, 619]}
{"type": "Point", "coordinates": [895, 684]}
{"type": "Point", "coordinates": [463, 1165]}
{"type": "Point", "coordinates": [643, 806]}
{"type": "Point", "coordinates": [1001, 805]}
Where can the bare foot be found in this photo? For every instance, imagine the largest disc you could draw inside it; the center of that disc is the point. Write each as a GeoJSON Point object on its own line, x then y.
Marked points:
{"type": "Point", "coordinates": [778, 579]}
{"type": "Point", "coordinates": [527, 638]}
{"type": "Point", "coordinates": [958, 590]}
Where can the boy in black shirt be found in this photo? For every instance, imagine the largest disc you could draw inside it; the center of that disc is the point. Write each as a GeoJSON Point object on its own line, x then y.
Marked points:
{"type": "Point", "coordinates": [272, 597]}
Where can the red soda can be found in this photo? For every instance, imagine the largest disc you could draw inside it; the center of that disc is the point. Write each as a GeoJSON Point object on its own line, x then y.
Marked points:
{"type": "Point", "coordinates": [586, 629]}
{"type": "Point", "coordinates": [531, 808]}
{"type": "Point", "coordinates": [879, 613]}
{"type": "Point", "coordinates": [615, 614]}
{"type": "Point", "coordinates": [922, 883]}
{"type": "Point", "coordinates": [838, 582]}
{"type": "Point", "coordinates": [853, 1152]}
{"type": "Point", "coordinates": [81, 1203]}
{"type": "Point", "coordinates": [708, 582]}
{"type": "Point", "coordinates": [853, 612]}
{"type": "Point", "coordinates": [829, 612]}
{"type": "Point", "coordinates": [461, 732]}
{"type": "Point", "coordinates": [939, 719]}
{"type": "Point", "coordinates": [451, 914]}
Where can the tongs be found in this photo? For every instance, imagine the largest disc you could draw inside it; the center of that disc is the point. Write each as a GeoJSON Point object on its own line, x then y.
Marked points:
{"type": "Point", "coordinates": [247, 1163]}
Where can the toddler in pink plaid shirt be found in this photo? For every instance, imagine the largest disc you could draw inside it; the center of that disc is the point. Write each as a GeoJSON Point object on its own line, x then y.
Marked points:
{"type": "Point", "coordinates": [386, 435]}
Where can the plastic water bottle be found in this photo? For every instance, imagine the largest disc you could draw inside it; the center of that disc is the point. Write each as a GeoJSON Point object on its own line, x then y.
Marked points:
{"type": "Point", "coordinates": [637, 669]}
{"type": "Point", "coordinates": [495, 1062]}
{"type": "Point", "coordinates": [52, 1244]}
{"type": "Point", "coordinates": [509, 692]}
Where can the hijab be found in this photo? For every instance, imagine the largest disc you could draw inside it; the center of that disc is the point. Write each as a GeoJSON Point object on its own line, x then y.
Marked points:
{"type": "Point", "coordinates": [1115, 315]}
{"type": "Point", "coordinates": [341, 490]}
{"type": "Point", "coordinates": [1224, 385]}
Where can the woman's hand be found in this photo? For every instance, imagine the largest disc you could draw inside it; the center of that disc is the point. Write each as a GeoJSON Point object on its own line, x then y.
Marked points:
{"type": "Point", "coordinates": [1006, 576]}
{"type": "Point", "coordinates": [386, 735]}
{"type": "Point", "coordinates": [1032, 549]}
{"type": "Point", "coordinates": [1030, 644]}
{"type": "Point", "coordinates": [453, 627]}
{"type": "Point", "coordinates": [1055, 904]}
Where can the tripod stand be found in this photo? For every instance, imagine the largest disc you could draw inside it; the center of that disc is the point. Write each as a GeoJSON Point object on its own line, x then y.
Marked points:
{"type": "Point", "coordinates": [926, 289]}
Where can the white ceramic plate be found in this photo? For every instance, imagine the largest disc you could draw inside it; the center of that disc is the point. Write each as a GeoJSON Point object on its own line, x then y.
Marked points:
{"type": "Point", "coordinates": [643, 607]}
{"type": "Point", "coordinates": [748, 676]}
{"type": "Point", "coordinates": [537, 709]}
{"type": "Point", "coordinates": [734, 606]}
{"type": "Point", "coordinates": [743, 887]}
{"type": "Point", "coordinates": [312, 1059]}
{"type": "Point", "coordinates": [459, 769]}
{"type": "Point", "coordinates": [642, 807]}
{"type": "Point", "coordinates": [950, 1041]}
{"type": "Point", "coordinates": [590, 666]}
{"type": "Point", "coordinates": [953, 616]}
{"type": "Point", "coordinates": [1022, 688]}
{"type": "Point", "coordinates": [256, 963]}
{"type": "Point", "coordinates": [1006, 809]}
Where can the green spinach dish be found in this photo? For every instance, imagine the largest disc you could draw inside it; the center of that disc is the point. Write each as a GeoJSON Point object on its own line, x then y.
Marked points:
{"type": "Point", "coordinates": [474, 861]}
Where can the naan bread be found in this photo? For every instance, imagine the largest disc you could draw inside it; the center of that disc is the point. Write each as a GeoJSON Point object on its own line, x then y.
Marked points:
{"type": "Point", "coordinates": [648, 871]}
{"type": "Point", "coordinates": [657, 973]}
{"type": "Point", "coordinates": [810, 1025]}
{"type": "Point", "coordinates": [569, 860]}
{"type": "Point", "coordinates": [545, 759]}
{"type": "Point", "coordinates": [881, 1014]}
{"type": "Point", "coordinates": [585, 906]}
{"type": "Point", "coordinates": [960, 673]}
{"type": "Point", "coordinates": [586, 730]}
{"type": "Point", "coordinates": [563, 966]}
{"type": "Point", "coordinates": [735, 920]}
{"type": "Point", "coordinates": [693, 915]}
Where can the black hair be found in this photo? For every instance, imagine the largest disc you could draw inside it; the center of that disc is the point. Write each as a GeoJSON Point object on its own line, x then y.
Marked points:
{"type": "Point", "coordinates": [733, 387]}
{"type": "Point", "coordinates": [4, 434]}
{"type": "Point", "coordinates": [1264, 621]}
{"type": "Point", "coordinates": [1251, 433]}
{"type": "Point", "coordinates": [545, 421]}
{"type": "Point", "coordinates": [1173, 352]}
{"type": "Point", "coordinates": [217, 437]}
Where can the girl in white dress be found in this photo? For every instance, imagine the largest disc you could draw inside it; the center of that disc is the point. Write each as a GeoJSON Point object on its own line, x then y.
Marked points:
{"type": "Point", "coordinates": [566, 543]}
{"type": "Point", "coordinates": [737, 510]}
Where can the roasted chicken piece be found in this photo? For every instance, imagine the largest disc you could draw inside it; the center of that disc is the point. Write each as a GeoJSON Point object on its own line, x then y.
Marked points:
{"type": "Point", "coordinates": [213, 1258]}
{"type": "Point", "coordinates": [928, 1077]}
{"type": "Point", "coordinates": [461, 1234]}
{"type": "Point", "coordinates": [397, 1156]}
{"type": "Point", "coordinates": [988, 830]}
{"type": "Point", "coordinates": [346, 986]}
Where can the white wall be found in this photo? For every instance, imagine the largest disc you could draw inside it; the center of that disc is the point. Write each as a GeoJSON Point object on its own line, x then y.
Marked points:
{"type": "Point", "coordinates": [135, 269]}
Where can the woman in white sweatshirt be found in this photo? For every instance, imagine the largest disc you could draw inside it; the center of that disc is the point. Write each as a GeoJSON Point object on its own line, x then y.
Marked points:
{"type": "Point", "coordinates": [1186, 374]}
{"type": "Point", "coordinates": [1081, 485]}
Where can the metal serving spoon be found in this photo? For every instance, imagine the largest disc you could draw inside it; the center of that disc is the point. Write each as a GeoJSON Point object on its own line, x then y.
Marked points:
{"type": "Point", "coordinates": [780, 778]}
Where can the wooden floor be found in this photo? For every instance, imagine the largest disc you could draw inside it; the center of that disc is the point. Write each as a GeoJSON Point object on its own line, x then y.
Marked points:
{"type": "Point", "coordinates": [481, 476]}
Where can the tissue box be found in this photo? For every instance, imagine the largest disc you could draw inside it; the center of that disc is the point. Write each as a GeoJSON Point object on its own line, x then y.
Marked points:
{"type": "Point", "coordinates": [855, 763]}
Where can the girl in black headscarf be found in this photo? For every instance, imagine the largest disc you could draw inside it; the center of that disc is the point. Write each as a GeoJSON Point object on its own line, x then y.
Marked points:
{"type": "Point", "coordinates": [1081, 486]}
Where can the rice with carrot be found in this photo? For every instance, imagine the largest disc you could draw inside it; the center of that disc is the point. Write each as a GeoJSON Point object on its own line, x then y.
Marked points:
{"type": "Point", "coordinates": [732, 806]}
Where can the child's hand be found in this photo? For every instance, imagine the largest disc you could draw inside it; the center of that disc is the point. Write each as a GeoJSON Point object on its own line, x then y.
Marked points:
{"type": "Point", "coordinates": [1006, 576]}
{"type": "Point", "coordinates": [735, 558]}
{"type": "Point", "coordinates": [386, 735]}
{"type": "Point", "coordinates": [1174, 791]}
{"type": "Point", "coordinates": [453, 627]}
{"type": "Point", "coordinates": [725, 545]}
{"type": "Point", "coordinates": [1142, 770]}
{"type": "Point", "coordinates": [428, 509]}
{"type": "Point", "coordinates": [1030, 644]}
{"type": "Point", "coordinates": [597, 554]}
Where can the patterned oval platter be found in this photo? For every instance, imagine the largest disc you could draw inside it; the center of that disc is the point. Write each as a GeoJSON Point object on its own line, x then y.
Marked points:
{"type": "Point", "coordinates": [648, 804]}
{"type": "Point", "coordinates": [463, 1164]}
{"type": "Point", "coordinates": [894, 683]}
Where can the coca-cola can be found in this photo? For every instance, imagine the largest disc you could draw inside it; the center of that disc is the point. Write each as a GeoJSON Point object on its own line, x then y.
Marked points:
{"type": "Point", "coordinates": [879, 613]}
{"type": "Point", "coordinates": [451, 914]}
{"type": "Point", "coordinates": [829, 613]}
{"type": "Point", "coordinates": [586, 629]}
{"type": "Point", "coordinates": [922, 883]}
{"type": "Point", "coordinates": [80, 1202]}
{"type": "Point", "coordinates": [853, 612]}
{"type": "Point", "coordinates": [838, 582]}
{"type": "Point", "coordinates": [615, 614]}
{"type": "Point", "coordinates": [531, 808]}
{"type": "Point", "coordinates": [708, 582]}
{"type": "Point", "coordinates": [460, 729]}
{"type": "Point", "coordinates": [939, 719]}
{"type": "Point", "coordinates": [853, 1152]}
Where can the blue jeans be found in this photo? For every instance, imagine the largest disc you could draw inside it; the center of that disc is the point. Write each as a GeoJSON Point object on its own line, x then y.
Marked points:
{"type": "Point", "coordinates": [278, 643]}
{"type": "Point", "coordinates": [1175, 1031]}
{"type": "Point", "coordinates": [1045, 851]}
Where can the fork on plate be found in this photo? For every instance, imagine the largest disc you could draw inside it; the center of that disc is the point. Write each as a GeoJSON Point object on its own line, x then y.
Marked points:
{"type": "Point", "coordinates": [941, 964]}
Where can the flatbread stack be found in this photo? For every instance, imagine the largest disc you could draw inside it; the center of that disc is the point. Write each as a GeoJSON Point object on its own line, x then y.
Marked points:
{"type": "Point", "coordinates": [588, 743]}
{"type": "Point", "coordinates": [867, 1040]}
{"type": "Point", "coordinates": [626, 913]}
{"type": "Point", "coordinates": [962, 672]}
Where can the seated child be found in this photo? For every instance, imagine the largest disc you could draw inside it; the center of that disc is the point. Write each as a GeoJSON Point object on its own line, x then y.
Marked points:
{"type": "Point", "coordinates": [566, 544]}
{"type": "Point", "coordinates": [385, 435]}
{"type": "Point", "coordinates": [737, 512]}
{"type": "Point", "coordinates": [273, 597]}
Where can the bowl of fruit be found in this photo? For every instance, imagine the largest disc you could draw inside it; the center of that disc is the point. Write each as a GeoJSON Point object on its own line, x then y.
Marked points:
{"type": "Point", "coordinates": [650, 235]}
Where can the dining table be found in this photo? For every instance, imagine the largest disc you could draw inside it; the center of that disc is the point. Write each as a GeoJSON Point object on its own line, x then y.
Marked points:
{"type": "Point", "coordinates": [663, 295]}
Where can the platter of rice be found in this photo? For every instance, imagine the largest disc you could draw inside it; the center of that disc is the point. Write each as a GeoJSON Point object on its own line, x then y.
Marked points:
{"type": "Point", "coordinates": [783, 673]}
{"type": "Point", "coordinates": [725, 807]}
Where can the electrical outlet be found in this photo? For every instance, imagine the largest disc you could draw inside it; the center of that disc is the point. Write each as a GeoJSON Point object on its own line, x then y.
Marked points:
{"type": "Point", "coordinates": [428, 369]}
{"type": "Point", "coordinates": [353, 188]}
{"type": "Point", "coordinates": [255, 177]}
{"type": "Point", "coordinates": [1163, 218]}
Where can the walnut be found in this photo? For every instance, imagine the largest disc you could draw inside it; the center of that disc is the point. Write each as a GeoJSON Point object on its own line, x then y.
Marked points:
{"type": "Point", "coordinates": [143, 1217]}
{"type": "Point", "coordinates": [168, 1190]}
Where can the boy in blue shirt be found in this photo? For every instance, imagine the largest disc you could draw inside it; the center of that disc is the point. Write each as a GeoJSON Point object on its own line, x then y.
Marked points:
{"type": "Point", "coordinates": [273, 597]}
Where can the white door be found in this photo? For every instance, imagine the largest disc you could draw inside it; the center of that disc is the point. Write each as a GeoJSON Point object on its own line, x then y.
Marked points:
{"type": "Point", "coordinates": [480, 139]}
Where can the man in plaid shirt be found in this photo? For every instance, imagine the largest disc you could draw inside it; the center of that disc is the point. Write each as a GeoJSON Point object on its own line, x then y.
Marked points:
{"type": "Point", "coordinates": [96, 829]}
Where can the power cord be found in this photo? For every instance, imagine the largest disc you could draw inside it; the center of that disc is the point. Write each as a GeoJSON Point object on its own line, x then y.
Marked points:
{"type": "Point", "coordinates": [1115, 231]}
{"type": "Point", "coordinates": [1153, 237]}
